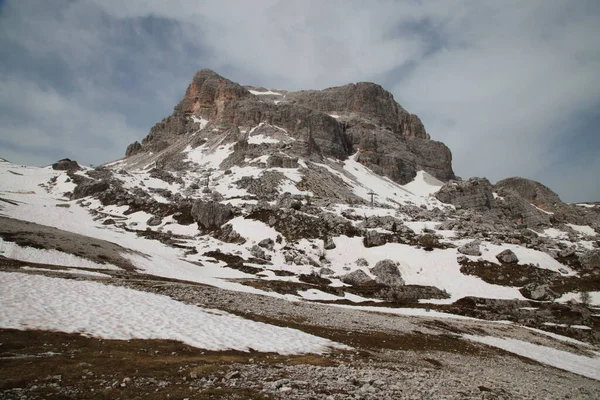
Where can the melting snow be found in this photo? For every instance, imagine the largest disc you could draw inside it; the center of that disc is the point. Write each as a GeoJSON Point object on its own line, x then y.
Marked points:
{"type": "Point", "coordinates": [39, 302]}
{"type": "Point", "coordinates": [578, 364]}
{"type": "Point", "coordinates": [268, 92]}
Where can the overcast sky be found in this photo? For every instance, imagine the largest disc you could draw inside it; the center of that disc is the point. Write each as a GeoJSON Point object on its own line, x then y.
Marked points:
{"type": "Point", "coordinates": [512, 87]}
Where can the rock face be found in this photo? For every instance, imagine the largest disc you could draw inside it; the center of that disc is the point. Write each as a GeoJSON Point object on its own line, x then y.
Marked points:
{"type": "Point", "coordinates": [387, 273]}
{"type": "Point", "coordinates": [211, 215]}
{"type": "Point", "coordinates": [66, 165]}
{"type": "Point", "coordinates": [532, 191]}
{"type": "Point", "coordinates": [474, 194]}
{"type": "Point", "coordinates": [335, 122]}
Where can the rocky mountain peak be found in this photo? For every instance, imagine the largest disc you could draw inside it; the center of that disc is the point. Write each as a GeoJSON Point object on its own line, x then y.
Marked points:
{"type": "Point", "coordinates": [537, 194]}
{"type": "Point", "coordinates": [359, 119]}
{"type": "Point", "coordinates": [364, 101]}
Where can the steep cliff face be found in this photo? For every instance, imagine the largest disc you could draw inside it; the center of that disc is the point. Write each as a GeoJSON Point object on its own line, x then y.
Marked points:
{"type": "Point", "coordinates": [334, 123]}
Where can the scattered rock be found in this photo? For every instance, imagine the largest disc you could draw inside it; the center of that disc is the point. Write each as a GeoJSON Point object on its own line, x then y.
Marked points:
{"type": "Point", "coordinates": [66, 165]}
{"type": "Point", "coordinates": [387, 273]}
{"type": "Point", "coordinates": [471, 248]}
{"type": "Point", "coordinates": [508, 257]}
{"type": "Point", "coordinates": [329, 244]}
{"type": "Point", "coordinates": [357, 278]}
{"type": "Point", "coordinates": [154, 221]}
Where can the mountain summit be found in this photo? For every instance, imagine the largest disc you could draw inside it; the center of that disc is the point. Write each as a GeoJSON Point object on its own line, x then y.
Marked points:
{"type": "Point", "coordinates": [338, 122]}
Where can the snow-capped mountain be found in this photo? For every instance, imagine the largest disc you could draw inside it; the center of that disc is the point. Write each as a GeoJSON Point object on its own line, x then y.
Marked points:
{"type": "Point", "coordinates": [336, 196]}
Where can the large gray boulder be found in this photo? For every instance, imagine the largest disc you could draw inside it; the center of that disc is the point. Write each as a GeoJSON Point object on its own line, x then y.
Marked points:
{"type": "Point", "coordinates": [357, 278]}
{"type": "Point", "coordinates": [387, 273]}
{"type": "Point", "coordinates": [471, 248]}
{"type": "Point", "coordinates": [539, 292]}
{"type": "Point", "coordinates": [507, 257]}
{"type": "Point", "coordinates": [211, 215]}
{"type": "Point", "coordinates": [590, 259]}
{"type": "Point", "coordinates": [66, 164]}
{"type": "Point", "coordinates": [373, 239]}
{"type": "Point", "coordinates": [474, 194]}
{"type": "Point", "coordinates": [534, 192]}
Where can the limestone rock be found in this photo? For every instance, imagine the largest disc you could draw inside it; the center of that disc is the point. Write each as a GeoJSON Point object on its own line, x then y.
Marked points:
{"type": "Point", "coordinates": [507, 257]}
{"type": "Point", "coordinates": [590, 259]}
{"type": "Point", "coordinates": [133, 149]}
{"type": "Point", "coordinates": [66, 165]}
{"type": "Point", "coordinates": [474, 194]}
{"type": "Point", "coordinates": [267, 243]}
{"type": "Point", "coordinates": [211, 215]}
{"type": "Point", "coordinates": [373, 239]}
{"type": "Point", "coordinates": [154, 221]}
{"type": "Point", "coordinates": [329, 244]}
{"type": "Point", "coordinates": [357, 278]}
{"type": "Point", "coordinates": [387, 273]}
{"type": "Point", "coordinates": [471, 248]}
{"type": "Point", "coordinates": [534, 192]}
{"type": "Point", "coordinates": [539, 292]}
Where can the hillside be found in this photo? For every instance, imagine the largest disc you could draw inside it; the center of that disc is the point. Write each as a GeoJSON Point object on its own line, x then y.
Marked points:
{"type": "Point", "coordinates": [323, 226]}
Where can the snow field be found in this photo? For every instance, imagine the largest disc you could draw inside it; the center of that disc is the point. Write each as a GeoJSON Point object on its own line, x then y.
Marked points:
{"type": "Point", "coordinates": [50, 257]}
{"type": "Point", "coordinates": [38, 302]}
{"type": "Point", "coordinates": [578, 364]}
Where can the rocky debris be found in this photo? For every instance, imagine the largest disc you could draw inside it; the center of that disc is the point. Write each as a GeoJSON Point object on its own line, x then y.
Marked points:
{"type": "Point", "coordinates": [154, 221]}
{"type": "Point", "coordinates": [539, 292]}
{"type": "Point", "coordinates": [211, 215]}
{"type": "Point", "coordinates": [374, 239]}
{"type": "Point", "coordinates": [386, 222]}
{"type": "Point", "coordinates": [267, 243]}
{"type": "Point", "coordinates": [165, 176]}
{"type": "Point", "coordinates": [357, 278]}
{"type": "Point", "coordinates": [474, 194]}
{"type": "Point", "coordinates": [133, 149]}
{"type": "Point", "coordinates": [471, 248]}
{"type": "Point", "coordinates": [507, 257]}
{"type": "Point", "coordinates": [429, 242]}
{"type": "Point", "coordinates": [590, 259]}
{"type": "Point", "coordinates": [361, 262]}
{"type": "Point", "coordinates": [258, 252]}
{"type": "Point", "coordinates": [387, 273]}
{"type": "Point", "coordinates": [88, 187]}
{"type": "Point", "coordinates": [66, 165]}
{"type": "Point", "coordinates": [534, 192]}
{"type": "Point", "coordinates": [228, 235]}
{"type": "Point", "coordinates": [328, 243]}
{"type": "Point", "coordinates": [324, 271]}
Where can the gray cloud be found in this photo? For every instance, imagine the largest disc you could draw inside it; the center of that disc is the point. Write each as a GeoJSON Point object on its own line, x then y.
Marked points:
{"type": "Point", "coordinates": [511, 87]}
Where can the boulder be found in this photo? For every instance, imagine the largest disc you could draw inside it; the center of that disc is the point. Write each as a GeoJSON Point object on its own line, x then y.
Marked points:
{"type": "Point", "coordinates": [267, 243]}
{"type": "Point", "coordinates": [373, 239]}
{"type": "Point", "coordinates": [328, 243]}
{"type": "Point", "coordinates": [154, 221]}
{"type": "Point", "coordinates": [474, 194]}
{"type": "Point", "coordinates": [507, 257]}
{"type": "Point", "coordinates": [361, 262]}
{"type": "Point", "coordinates": [471, 248]}
{"type": "Point", "coordinates": [357, 278]}
{"type": "Point", "coordinates": [66, 165]}
{"type": "Point", "coordinates": [326, 271]}
{"type": "Point", "coordinates": [539, 292]}
{"type": "Point", "coordinates": [387, 273]}
{"type": "Point", "coordinates": [89, 187]}
{"type": "Point", "coordinates": [258, 252]}
{"type": "Point", "coordinates": [211, 215]}
{"type": "Point", "coordinates": [590, 259]}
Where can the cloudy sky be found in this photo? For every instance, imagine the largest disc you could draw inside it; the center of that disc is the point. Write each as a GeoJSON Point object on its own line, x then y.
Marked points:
{"type": "Point", "coordinates": [512, 87]}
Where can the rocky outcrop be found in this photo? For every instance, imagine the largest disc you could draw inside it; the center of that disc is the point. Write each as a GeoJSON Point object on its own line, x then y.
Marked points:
{"type": "Point", "coordinates": [211, 215]}
{"type": "Point", "coordinates": [391, 141]}
{"type": "Point", "coordinates": [66, 165]}
{"type": "Point", "coordinates": [590, 259]}
{"type": "Point", "coordinates": [539, 292]}
{"type": "Point", "coordinates": [532, 191]}
{"type": "Point", "coordinates": [364, 100]}
{"type": "Point", "coordinates": [474, 194]}
{"type": "Point", "coordinates": [357, 278]}
{"type": "Point", "coordinates": [387, 273]}
{"type": "Point", "coordinates": [133, 149]}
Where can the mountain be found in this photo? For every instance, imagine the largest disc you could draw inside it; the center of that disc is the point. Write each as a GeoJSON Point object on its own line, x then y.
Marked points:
{"type": "Point", "coordinates": [253, 226]}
